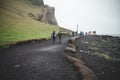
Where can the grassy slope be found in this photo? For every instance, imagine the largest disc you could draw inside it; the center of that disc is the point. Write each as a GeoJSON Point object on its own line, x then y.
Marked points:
{"type": "Point", "coordinates": [15, 25]}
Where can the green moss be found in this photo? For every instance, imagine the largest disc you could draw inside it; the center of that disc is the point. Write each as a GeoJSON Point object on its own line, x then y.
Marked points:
{"type": "Point", "coordinates": [106, 56]}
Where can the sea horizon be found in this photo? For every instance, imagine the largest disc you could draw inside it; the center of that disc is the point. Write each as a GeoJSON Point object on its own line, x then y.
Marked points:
{"type": "Point", "coordinates": [116, 35]}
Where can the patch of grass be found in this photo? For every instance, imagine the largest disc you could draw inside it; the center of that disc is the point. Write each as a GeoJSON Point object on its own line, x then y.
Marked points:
{"type": "Point", "coordinates": [106, 56]}
{"type": "Point", "coordinates": [24, 30]}
{"type": "Point", "coordinates": [15, 25]}
{"type": "Point", "coordinates": [93, 48]}
{"type": "Point", "coordinates": [115, 49]}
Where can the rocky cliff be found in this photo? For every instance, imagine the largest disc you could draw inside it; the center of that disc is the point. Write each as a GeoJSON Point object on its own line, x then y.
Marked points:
{"type": "Point", "coordinates": [37, 2]}
{"type": "Point", "coordinates": [47, 14]}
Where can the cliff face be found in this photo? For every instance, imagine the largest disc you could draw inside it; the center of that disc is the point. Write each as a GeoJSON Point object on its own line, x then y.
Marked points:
{"type": "Point", "coordinates": [37, 2]}
{"type": "Point", "coordinates": [47, 14]}
{"type": "Point", "coordinates": [50, 15]}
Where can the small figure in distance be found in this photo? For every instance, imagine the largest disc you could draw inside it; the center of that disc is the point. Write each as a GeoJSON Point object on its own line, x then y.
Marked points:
{"type": "Point", "coordinates": [53, 36]}
{"type": "Point", "coordinates": [81, 33]}
{"type": "Point", "coordinates": [59, 37]}
{"type": "Point", "coordinates": [94, 32]}
{"type": "Point", "coordinates": [72, 33]}
{"type": "Point", "coordinates": [86, 33]}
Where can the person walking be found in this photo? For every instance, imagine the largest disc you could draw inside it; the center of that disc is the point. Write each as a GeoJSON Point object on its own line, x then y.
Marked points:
{"type": "Point", "coordinates": [53, 36]}
{"type": "Point", "coordinates": [59, 37]}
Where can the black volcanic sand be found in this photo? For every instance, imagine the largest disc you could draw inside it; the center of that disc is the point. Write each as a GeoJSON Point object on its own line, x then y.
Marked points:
{"type": "Point", "coordinates": [101, 54]}
{"type": "Point", "coordinates": [39, 61]}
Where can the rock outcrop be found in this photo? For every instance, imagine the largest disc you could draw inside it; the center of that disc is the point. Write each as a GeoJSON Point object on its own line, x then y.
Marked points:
{"type": "Point", "coordinates": [50, 15]}
{"type": "Point", "coordinates": [37, 2]}
{"type": "Point", "coordinates": [47, 14]}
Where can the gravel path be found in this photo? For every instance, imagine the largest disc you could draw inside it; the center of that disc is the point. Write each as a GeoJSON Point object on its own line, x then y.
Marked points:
{"type": "Point", "coordinates": [39, 61]}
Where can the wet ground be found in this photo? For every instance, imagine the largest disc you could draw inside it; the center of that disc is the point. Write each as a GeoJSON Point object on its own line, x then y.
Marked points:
{"type": "Point", "coordinates": [39, 61]}
{"type": "Point", "coordinates": [101, 54]}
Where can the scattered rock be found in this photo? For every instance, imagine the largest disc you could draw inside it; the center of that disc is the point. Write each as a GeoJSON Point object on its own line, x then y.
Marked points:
{"type": "Point", "coordinates": [81, 51]}
{"type": "Point", "coordinates": [86, 42]}
{"type": "Point", "coordinates": [102, 72]}
{"type": "Point", "coordinates": [16, 66]}
{"type": "Point", "coordinates": [101, 54]}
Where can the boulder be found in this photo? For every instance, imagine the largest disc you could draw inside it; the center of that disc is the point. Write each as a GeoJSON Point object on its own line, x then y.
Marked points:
{"type": "Point", "coordinates": [70, 50]}
{"type": "Point", "coordinates": [71, 41]}
{"type": "Point", "coordinates": [86, 72]}
{"type": "Point", "coordinates": [72, 55]}
{"type": "Point", "coordinates": [74, 60]}
{"type": "Point", "coordinates": [71, 45]}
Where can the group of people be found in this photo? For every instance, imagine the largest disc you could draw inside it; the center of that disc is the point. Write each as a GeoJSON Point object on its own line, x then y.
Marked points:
{"type": "Point", "coordinates": [54, 36]}
{"type": "Point", "coordinates": [88, 33]}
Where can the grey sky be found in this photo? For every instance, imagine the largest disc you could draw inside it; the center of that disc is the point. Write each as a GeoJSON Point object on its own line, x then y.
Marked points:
{"type": "Point", "coordinates": [102, 16]}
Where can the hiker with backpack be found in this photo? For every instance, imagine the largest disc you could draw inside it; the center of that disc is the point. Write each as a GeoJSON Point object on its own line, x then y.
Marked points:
{"type": "Point", "coordinates": [59, 37]}
{"type": "Point", "coordinates": [53, 36]}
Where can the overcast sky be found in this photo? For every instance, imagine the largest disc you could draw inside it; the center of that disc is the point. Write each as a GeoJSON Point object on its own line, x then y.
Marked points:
{"type": "Point", "coordinates": [102, 16]}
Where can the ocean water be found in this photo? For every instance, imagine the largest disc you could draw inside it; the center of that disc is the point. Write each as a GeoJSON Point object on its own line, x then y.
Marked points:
{"type": "Point", "coordinates": [116, 35]}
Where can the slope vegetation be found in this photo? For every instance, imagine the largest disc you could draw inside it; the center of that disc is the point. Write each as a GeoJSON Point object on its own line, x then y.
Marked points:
{"type": "Point", "coordinates": [16, 25]}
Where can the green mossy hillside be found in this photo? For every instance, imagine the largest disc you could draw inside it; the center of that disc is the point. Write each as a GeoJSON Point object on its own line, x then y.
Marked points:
{"type": "Point", "coordinates": [16, 25]}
